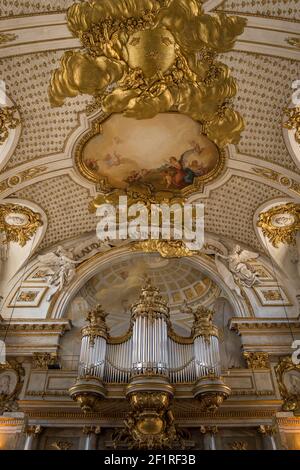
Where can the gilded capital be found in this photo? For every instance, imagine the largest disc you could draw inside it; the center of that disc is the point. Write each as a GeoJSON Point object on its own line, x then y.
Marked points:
{"type": "Point", "coordinates": [257, 360]}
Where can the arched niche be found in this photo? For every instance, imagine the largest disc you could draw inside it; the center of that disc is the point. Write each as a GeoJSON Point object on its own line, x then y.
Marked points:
{"type": "Point", "coordinates": [13, 270]}
{"type": "Point", "coordinates": [283, 256]}
{"type": "Point", "coordinates": [92, 266]}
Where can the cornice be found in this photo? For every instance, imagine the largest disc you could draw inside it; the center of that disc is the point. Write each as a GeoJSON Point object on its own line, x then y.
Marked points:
{"type": "Point", "coordinates": [245, 324]}
{"type": "Point", "coordinates": [35, 326]}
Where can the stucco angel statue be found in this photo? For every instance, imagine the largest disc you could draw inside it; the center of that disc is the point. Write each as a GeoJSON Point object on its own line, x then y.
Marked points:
{"type": "Point", "coordinates": [238, 273]}
{"type": "Point", "coordinates": [62, 268]}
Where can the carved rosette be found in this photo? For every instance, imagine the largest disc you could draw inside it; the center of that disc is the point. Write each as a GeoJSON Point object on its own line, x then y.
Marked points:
{"type": "Point", "coordinates": [280, 224]}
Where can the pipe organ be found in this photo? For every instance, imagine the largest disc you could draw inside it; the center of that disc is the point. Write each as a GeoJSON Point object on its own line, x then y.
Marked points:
{"type": "Point", "coordinates": [150, 360]}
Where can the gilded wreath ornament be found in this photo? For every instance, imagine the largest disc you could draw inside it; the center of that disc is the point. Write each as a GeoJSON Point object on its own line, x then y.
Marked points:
{"type": "Point", "coordinates": [26, 226]}
{"type": "Point", "coordinates": [280, 224]}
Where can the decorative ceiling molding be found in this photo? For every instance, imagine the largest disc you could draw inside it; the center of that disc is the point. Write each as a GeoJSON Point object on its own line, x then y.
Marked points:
{"type": "Point", "coordinates": [245, 166]}
{"type": "Point", "coordinates": [261, 36]}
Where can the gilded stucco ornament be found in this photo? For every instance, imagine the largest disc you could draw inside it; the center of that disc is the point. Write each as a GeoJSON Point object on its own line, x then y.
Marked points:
{"type": "Point", "coordinates": [293, 122]}
{"type": "Point", "coordinates": [257, 360]}
{"type": "Point", "coordinates": [19, 223]}
{"type": "Point", "coordinates": [8, 121]}
{"type": "Point", "coordinates": [144, 57]}
{"type": "Point", "coordinates": [166, 248]}
{"type": "Point", "coordinates": [288, 378]}
{"type": "Point", "coordinates": [7, 37]}
{"type": "Point", "coordinates": [280, 224]}
{"type": "Point", "coordinates": [295, 42]}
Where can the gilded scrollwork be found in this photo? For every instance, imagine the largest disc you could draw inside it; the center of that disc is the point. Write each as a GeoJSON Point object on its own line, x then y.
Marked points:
{"type": "Point", "coordinates": [166, 248]}
{"type": "Point", "coordinates": [19, 223]}
{"type": "Point", "coordinates": [144, 57]}
{"type": "Point", "coordinates": [21, 177]}
{"type": "Point", "coordinates": [293, 122]}
{"type": "Point", "coordinates": [280, 223]}
{"type": "Point", "coordinates": [8, 121]}
{"type": "Point", "coordinates": [288, 378]}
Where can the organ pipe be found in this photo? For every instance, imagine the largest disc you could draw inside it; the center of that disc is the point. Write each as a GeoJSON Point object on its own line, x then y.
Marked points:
{"type": "Point", "coordinates": [93, 344]}
{"type": "Point", "coordinates": [150, 318]}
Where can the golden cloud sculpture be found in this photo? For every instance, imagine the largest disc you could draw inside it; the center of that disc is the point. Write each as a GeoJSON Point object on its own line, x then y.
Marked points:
{"type": "Point", "coordinates": [144, 57]}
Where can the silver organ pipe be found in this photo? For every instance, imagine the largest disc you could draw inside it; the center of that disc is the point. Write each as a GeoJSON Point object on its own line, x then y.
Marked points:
{"type": "Point", "coordinates": [150, 346]}
{"type": "Point", "coordinates": [150, 317]}
{"type": "Point", "coordinates": [206, 344]}
{"type": "Point", "coordinates": [118, 362]}
{"type": "Point", "coordinates": [181, 362]}
{"type": "Point", "coordinates": [93, 345]}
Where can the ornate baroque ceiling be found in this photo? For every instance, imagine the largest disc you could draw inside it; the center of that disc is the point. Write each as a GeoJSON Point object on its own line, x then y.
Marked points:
{"type": "Point", "coordinates": [33, 38]}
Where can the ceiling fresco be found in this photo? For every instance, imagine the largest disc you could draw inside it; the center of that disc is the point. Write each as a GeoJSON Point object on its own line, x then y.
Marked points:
{"type": "Point", "coordinates": [166, 152]}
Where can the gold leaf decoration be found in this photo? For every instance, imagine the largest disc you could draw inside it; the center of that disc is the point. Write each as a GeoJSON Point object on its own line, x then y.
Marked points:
{"type": "Point", "coordinates": [293, 121]}
{"type": "Point", "coordinates": [281, 223]}
{"type": "Point", "coordinates": [7, 37]}
{"type": "Point", "coordinates": [166, 248]}
{"type": "Point", "coordinates": [19, 223]}
{"type": "Point", "coordinates": [7, 121]}
{"type": "Point", "coordinates": [295, 42]}
{"type": "Point", "coordinates": [144, 57]}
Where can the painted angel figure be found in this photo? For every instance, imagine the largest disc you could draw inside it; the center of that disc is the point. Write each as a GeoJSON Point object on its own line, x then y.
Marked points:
{"type": "Point", "coordinates": [62, 265]}
{"type": "Point", "coordinates": [238, 271]}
